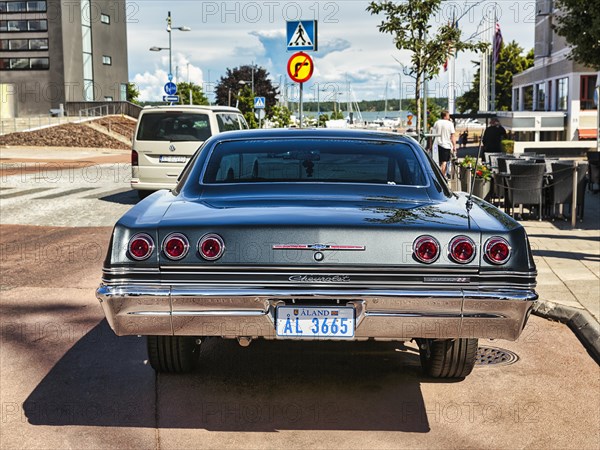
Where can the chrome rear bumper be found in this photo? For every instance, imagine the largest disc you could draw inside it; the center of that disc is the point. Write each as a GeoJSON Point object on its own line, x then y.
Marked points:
{"type": "Point", "coordinates": [393, 314]}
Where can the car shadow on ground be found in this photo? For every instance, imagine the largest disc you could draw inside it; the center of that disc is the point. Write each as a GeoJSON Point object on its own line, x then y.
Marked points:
{"type": "Point", "coordinates": [103, 381]}
{"type": "Point", "coordinates": [129, 197]}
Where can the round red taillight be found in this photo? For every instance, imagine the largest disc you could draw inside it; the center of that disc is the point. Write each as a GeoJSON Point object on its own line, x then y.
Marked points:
{"type": "Point", "coordinates": [211, 247]}
{"type": "Point", "coordinates": [141, 246]}
{"type": "Point", "coordinates": [426, 249]}
{"type": "Point", "coordinates": [497, 250]}
{"type": "Point", "coordinates": [176, 246]}
{"type": "Point", "coordinates": [462, 249]}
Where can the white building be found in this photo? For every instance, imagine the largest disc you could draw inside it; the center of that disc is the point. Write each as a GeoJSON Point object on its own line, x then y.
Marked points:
{"type": "Point", "coordinates": [554, 99]}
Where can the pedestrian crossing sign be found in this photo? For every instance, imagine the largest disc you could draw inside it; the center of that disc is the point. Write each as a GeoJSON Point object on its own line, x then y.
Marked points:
{"type": "Point", "coordinates": [259, 102]}
{"type": "Point", "coordinates": [302, 35]}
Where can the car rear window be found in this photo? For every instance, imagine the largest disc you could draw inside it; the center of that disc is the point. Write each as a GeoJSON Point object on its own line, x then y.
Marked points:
{"type": "Point", "coordinates": [231, 122]}
{"type": "Point", "coordinates": [173, 126]}
{"type": "Point", "coordinates": [314, 160]}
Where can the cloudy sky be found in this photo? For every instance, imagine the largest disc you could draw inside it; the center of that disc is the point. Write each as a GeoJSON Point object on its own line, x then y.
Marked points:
{"type": "Point", "coordinates": [227, 34]}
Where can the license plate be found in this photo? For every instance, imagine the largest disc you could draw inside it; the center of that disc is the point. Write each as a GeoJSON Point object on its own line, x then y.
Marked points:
{"type": "Point", "coordinates": [315, 322]}
{"type": "Point", "coordinates": [172, 159]}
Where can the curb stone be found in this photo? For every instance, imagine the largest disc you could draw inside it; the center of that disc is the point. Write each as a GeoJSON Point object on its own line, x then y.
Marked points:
{"type": "Point", "coordinates": [580, 321]}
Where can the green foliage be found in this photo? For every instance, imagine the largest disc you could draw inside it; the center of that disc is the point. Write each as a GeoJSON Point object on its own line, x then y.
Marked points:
{"type": "Point", "coordinates": [410, 23]}
{"type": "Point", "coordinates": [281, 116]}
{"type": "Point", "coordinates": [245, 103]}
{"type": "Point", "coordinates": [198, 97]}
{"type": "Point", "coordinates": [507, 146]}
{"type": "Point", "coordinates": [579, 24]}
{"type": "Point", "coordinates": [229, 86]}
{"type": "Point", "coordinates": [133, 93]}
{"type": "Point", "coordinates": [510, 62]}
{"type": "Point", "coordinates": [323, 118]}
{"type": "Point", "coordinates": [337, 115]}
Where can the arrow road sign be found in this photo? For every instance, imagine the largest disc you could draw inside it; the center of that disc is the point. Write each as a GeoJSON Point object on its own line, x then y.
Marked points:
{"type": "Point", "coordinates": [170, 98]}
{"type": "Point", "coordinates": [300, 67]}
{"type": "Point", "coordinates": [302, 35]}
{"type": "Point", "coordinates": [259, 102]}
{"type": "Point", "coordinates": [170, 88]}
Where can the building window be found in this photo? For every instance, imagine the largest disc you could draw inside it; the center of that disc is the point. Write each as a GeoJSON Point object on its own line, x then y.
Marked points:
{"type": "Point", "coordinates": [588, 86]}
{"type": "Point", "coordinates": [12, 7]}
{"type": "Point", "coordinates": [20, 45]}
{"type": "Point", "coordinates": [106, 60]}
{"type": "Point", "coordinates": [515, 106]}
{"type": "Point", "coordinates": [105, 18]}
{"type": "Point", "coordinates": [562, 94]}
{"type": "Point", "coordinates": [540, 97]}
{"type": "Point", "coordinates": [11, 26]}
{"type": "Point", "coordinates": [108, 98]}
{"type": "Point", "coordinates": [24, 64]}
{"type": "Point", "coordinates": [528, 98]}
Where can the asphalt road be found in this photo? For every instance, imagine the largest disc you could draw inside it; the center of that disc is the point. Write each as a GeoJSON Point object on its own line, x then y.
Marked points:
{"type": "Point", "coordinates": [67, 382]}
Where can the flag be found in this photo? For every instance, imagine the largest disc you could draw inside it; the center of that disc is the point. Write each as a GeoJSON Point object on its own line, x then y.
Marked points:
{"type": "Point", "coordinates": [497, 43]}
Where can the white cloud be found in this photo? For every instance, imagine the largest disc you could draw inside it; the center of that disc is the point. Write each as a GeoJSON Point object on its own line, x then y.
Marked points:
{"type": "Point", "coordinates": [151, 84]}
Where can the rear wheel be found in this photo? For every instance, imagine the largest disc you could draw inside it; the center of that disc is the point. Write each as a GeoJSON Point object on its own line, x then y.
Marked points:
{"type": "Point", "coordinates": [450, 358]}
{"type": "Point", "coordinates": [173, 354]}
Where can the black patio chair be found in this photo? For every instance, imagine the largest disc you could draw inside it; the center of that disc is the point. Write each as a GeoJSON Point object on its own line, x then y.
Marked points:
{"type": "Point", "coordinates": [561, 185]}
{"type": "Point", "coordinates": [594, 170]}
{"type": "Point", "coordinates": [525, 186]}
{"type": "Point", "coordinates": [499, 176]}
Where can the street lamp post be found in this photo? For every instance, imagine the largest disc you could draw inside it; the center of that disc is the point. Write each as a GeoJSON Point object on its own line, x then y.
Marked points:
{"type": "Point", "coordinates": [170, 47]}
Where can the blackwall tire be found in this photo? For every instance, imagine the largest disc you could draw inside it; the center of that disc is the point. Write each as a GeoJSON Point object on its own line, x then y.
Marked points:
{"type": "Point", "coordinates": [451, 358]}
{"type": "Point", "coordinates": [172, 354]}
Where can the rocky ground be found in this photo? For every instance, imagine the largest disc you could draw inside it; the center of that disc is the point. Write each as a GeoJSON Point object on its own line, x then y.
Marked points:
{"type": "Point", "coordinates": [74, 135]}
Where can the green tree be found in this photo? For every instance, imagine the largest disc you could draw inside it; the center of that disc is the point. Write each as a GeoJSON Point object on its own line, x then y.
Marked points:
{"type": "Point", "coordinates": [323, 118]}
{"type": "Point", "coordinates": [245, 103]}
{"type": "Point", "coordinates": [132, 93]}
{"type": "Point", "coordinates": [410, 23]}
{"type": "Point", "coordinates": [579, 23]}
{"type": "Point", "coordinates": [510, 62]}
{"type": "Point", "coordinates": [229, 86]}
{"type": "Point", "coordinates": [337, 115]}
{"type": "Point", "coordinates": [281, 116]}
{"type": "Point", "coordinates": [198, 97]}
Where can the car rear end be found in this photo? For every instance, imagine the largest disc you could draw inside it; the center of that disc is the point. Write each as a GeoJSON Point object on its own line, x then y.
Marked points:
{"type": "Point", "coordinates": [167, 137]}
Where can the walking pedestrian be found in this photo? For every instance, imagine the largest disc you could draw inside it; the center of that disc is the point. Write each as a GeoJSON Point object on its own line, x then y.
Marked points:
{"type": "Point", "coordinates": [445, 139]}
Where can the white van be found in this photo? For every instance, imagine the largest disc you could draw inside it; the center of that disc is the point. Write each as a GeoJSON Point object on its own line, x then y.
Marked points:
{"type": "Point", "coordinates": [166, 137]}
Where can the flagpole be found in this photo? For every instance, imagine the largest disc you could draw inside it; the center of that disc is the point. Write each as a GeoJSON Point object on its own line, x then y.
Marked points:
{"type": "Point", "coordinates": [493, 64]}
{"type": "Point", "coordinates": [452, 77]}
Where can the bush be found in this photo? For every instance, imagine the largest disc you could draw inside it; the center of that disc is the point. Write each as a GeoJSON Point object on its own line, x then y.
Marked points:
{"type": "Point", "coordinates": [508, 146]}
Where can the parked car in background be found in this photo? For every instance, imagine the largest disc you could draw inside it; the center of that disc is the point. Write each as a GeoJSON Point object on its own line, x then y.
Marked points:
{"type": "Point", "coordinates": [166, 137]}
{"type": "Point", "coordinates": [317, 234]}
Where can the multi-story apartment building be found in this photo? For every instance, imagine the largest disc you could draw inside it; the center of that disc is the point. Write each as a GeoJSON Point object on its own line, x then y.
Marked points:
{"type": "Point", "coordinates": [58, 51]}
{"type": "Point", "coordinates": [554, 99]}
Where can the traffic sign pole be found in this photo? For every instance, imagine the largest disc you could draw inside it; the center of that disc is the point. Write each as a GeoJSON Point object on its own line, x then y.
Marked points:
{"type": "Point", "coordinates": [301, 106]}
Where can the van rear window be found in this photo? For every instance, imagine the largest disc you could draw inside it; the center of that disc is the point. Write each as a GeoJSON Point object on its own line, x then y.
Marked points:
{"type": "Point", "coordinates": [231, 122]}
{"type": "Point", "coordinates": [174, 126]}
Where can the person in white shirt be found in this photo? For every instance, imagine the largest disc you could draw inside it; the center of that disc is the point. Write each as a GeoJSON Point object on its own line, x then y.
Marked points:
{"type": "Point", "coordinates": [445, 139]}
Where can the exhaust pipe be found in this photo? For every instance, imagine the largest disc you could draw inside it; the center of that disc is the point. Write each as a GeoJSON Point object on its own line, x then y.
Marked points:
{"type": "Point", "coordinates": [244, 341]}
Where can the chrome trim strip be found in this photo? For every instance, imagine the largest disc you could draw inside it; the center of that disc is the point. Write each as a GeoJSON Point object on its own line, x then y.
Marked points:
{"type": "Point", "coordinates": [318, 247]}
{"type": "Point", "coordinates": [149, 313]}
{"type": "Point", "coordinates": [235, 313]}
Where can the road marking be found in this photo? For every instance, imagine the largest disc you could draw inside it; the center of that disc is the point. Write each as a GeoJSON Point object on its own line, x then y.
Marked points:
{"type": "Point", "coordinates": [64, 193]}
{"type": "Point", "coordinates": [26, 192]}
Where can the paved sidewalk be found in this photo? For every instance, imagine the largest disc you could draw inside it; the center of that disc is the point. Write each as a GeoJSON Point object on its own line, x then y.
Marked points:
{"type": "Point", "coordinates": [568, 263]}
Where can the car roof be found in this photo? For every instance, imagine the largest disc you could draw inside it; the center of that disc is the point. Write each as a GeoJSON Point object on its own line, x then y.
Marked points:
{"type": "Point", "coordinates": [190, 108]}
{"type": "Point", "coordinates": [316, 133]}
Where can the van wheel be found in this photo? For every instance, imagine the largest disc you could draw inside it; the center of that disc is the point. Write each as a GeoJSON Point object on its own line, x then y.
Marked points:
{"type": "Point", "coordinates": [143, 194]}
{"type": "Point", "coordinates": [172, 354]}
{"type": "Point", "coordinates": [449, 358]}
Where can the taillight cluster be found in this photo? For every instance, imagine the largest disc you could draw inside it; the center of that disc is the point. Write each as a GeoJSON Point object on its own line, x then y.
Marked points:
{"type": "Point", "coordinates": [176, 246]}
{"type": "Point", "coordinates": [461, 249]}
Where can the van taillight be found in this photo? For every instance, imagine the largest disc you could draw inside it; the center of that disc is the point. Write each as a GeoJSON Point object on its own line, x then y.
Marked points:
{"type": "Point", "coordinates": [134, 158]}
